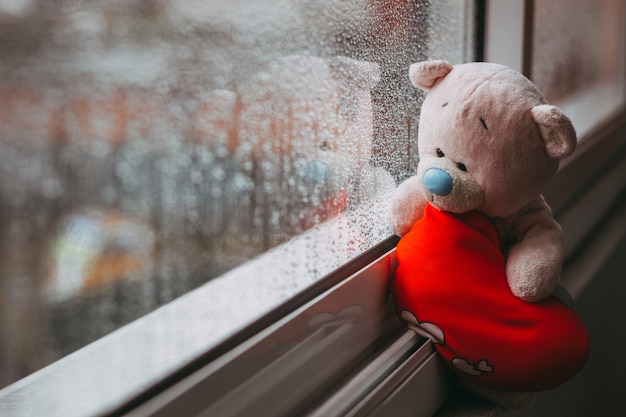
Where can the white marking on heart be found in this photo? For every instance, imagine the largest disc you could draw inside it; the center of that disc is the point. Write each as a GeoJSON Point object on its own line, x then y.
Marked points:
{"type": "Point", "coordinates": [426, 329]}
{"type": "Point", "coordinates": [472, 369]}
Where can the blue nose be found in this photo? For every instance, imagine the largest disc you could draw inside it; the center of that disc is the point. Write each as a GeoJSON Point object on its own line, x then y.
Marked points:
{"type": "Point", "coordinates": [438, 181]}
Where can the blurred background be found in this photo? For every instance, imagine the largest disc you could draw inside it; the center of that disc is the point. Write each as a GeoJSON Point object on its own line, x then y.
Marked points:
{"type": "Point", "coordinates": [148, 146]}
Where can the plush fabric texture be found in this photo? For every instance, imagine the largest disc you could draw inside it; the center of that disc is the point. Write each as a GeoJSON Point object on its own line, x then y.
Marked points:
{"type": "Point", "coordinates": [451, 286]}
{"type": "Point", "coordinates": [480, 253]}
{"type": "Point", "coordinates": [487, 131]}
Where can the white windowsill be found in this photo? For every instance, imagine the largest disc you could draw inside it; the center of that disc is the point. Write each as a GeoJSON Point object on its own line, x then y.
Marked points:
{"type": "Point", "coordinates": [99, 377]}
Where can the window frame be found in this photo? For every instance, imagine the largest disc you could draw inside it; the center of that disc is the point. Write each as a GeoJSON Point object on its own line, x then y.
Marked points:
{"type": "Point", "coordinates": [405, 362]}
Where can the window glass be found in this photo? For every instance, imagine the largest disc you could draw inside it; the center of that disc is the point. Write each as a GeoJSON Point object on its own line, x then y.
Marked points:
{"type": "Point", "coordinates": [583, 71]}
{"type": "Point", "coordinates": [149, 146]}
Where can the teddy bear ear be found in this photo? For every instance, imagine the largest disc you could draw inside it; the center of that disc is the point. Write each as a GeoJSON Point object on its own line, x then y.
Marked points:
{"type": "Point", "coordinates": [556, 130]}
{"type": "Point", "coordinates": [424, 74]}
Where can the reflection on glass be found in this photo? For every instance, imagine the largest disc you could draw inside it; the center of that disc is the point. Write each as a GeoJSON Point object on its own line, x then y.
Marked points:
{"type": "Point", "coordinates": [148, 146]}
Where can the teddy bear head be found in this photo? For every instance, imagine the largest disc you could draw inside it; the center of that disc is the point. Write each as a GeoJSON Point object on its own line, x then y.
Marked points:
{"type": "Point", "coordinates": [488, 141]}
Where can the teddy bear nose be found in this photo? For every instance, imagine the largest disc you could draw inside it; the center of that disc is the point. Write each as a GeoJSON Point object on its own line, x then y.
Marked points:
{"type": "Point", "coordinates": [438, 181]}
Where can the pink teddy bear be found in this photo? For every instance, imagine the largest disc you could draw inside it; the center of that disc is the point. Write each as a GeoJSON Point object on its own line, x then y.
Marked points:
{"type": "Point", "coordinates": [480, 254]}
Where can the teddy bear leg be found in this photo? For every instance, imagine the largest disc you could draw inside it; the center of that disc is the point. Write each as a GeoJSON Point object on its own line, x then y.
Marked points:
{"type": "Point", "coordinates": [515, 400]}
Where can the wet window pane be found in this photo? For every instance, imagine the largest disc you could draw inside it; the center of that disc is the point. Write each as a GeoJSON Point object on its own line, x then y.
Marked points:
{"type": "Point", "coordinates": [148, 147]}
{"type": "Point", "coordinates": [579, 59]}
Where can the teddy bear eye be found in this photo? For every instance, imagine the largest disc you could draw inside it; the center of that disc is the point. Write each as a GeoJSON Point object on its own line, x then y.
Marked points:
{"type": "Point", "coordinates": [440, 153]}
{"type": "Point", "coordinates": [324, 146]}
{"type": "Point", "coordinates": [461, 166]}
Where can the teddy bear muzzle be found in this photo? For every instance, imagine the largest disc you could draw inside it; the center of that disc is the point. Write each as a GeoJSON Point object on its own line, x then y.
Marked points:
{"type": "Point", "coordinates": [438, 181]}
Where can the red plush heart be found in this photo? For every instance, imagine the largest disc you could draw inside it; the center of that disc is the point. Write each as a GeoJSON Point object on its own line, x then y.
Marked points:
{"type": "Point", "coordinates": [451, 275]}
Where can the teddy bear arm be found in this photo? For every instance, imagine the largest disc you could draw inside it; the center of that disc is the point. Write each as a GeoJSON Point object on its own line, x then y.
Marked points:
{"type": "Point", "coordinates": [406, 206]}
{"type": "Point", "coordinates": [534, 262]}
